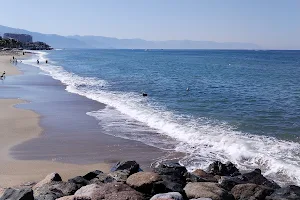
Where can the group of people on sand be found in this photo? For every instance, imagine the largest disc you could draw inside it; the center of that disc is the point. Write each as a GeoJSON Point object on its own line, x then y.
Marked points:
{"type": "Point", "coordinates": [14, 60]}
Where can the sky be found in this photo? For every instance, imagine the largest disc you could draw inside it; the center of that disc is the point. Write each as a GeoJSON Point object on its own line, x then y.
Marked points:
{"type": "Point", "coordinates": [271, 24]}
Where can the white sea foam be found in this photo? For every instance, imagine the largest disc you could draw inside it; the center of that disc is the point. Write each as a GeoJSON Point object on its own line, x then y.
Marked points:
{"type": "Point", "coordinates": [202, 140]}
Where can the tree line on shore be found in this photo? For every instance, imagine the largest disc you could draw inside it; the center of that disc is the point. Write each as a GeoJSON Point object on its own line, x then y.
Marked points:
{"type": "Point", "coordinates": [14, 44]}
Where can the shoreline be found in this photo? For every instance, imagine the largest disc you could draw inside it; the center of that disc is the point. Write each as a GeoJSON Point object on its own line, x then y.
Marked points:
{"type": "Point", "coordinates": [20, 125]}
{"type": "Point", "coordinates": [45, 146]}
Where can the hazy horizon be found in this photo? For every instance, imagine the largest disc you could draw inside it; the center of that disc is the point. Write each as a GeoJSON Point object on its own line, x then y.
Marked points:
{"type": "Point", "coordinates": [268, 25]}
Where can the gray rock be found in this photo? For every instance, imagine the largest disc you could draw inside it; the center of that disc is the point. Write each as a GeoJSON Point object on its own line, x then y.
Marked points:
{"type": "Point", "coordinates": [168, 196]}
{"type": "Point", "coordinates": [131, 166]}
{"type": "Point", "coordinates": [17, 194]}
{"type": "Point", "coordinates": [218, 168]}
{"type": "Point", "coordinates": [120, 175]}
{"type": "Point", "coordinates": [207, 190]}
{"type": "Point", "coordinates": [250, 191]}
{"type": "Point", "coordinates": [202, 199]}
{"type": "Point", "coordinates": [257, 178]}
{"type": "Point", "coordinates": [48, 179]}
{"type": "Point", "coordinates": [143, 181]}
{"type": "Point", "coordinates": [54, 190]}
{"type": "Point", "coordinates": [109, 191]}
{"type": "Point", "coordinates": [291, 192]}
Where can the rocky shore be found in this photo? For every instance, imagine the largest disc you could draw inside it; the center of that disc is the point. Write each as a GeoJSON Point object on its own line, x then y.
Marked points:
{"type": "Point", "coordinates": [168, 181]}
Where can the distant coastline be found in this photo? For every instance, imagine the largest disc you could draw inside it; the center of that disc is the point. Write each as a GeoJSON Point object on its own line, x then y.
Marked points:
{"type": "Point", "coordinates": [101, 42]}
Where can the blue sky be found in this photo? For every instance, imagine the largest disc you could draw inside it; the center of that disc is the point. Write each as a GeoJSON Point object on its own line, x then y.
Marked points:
{"type": "Point", "coordinates": [269, 23]}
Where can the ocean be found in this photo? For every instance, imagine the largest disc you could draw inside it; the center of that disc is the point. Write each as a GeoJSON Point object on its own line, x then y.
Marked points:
{"type": "Point", "coordinates": [241, 106]}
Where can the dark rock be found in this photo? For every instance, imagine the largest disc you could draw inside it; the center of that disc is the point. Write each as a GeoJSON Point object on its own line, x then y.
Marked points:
{"type": "Point", "coordinates": [79, 181]}
{"type": "Point", "coordinates": [207, 190]}
{"type": "Point", "coordinates": [54, 190]}
{"type": "Point", "coordinates": [144, 182]}
{"type": "Point", "coordinates": [250, 191]}
{"type": "Point", "coordinates": [170, 168]}
{"type": "Point", "coordinates": [168, 196]}
{"type": "Point", "coordinates": [194, 178]}
{"type": "Point", "coordinates": [131, 166]}
{"type": "Point", "coordinates": [257, 178]}
{"type": "Point", "coordinates": [173, 176]}
{"type": "Point", "coordinates": [102, 178]}
{"type": "Point", "coordinates": [159, 187]}
{"type": "Point", "coordinates": [228, 182]}
{"type": "Point", "coordinates": [109, 191]}
{"type": "Point", "coordinates": [89, 176]}
{"type": "Point", "coordinates": [204, 175]}
{"type": "Point", "coordinates": [291, 192]}
{"type": "Point", "coordinates": [17, 194]}
{"type": "Point", "coordinates": [173, 183]}
{"type": "Point", "coordinates": [218, 168]}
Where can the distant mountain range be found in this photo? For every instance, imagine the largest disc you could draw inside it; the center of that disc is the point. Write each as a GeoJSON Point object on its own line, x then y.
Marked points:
{"type": "Point", "coordinates": [76, 41]}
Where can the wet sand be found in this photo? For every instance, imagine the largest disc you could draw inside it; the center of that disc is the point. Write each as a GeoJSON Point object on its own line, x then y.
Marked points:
{"type": "Point", "coordinates": [18, 125]}
{"type": "Point", "coordinates": [61, 137]}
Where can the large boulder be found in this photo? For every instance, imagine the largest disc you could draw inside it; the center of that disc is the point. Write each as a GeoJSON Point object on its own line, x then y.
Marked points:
{"type": "Point", "coordinates": [17, 194]}
{"type": "Point", "coordinates": [54, 190]}
{"type": "Point", "coordinates": [250, 191]}
{"type": "Point", "coordinates": [291, 192]}
{"type": "Point", "coordinates": [207, 190]}
{"type": "Point", "coordinates": [131, 166]}
{"type": "Point", "coordinates": [168, 196]}
{"type": "Point", "coordinates": [143, 181]}
{"type": "Point", "coordinates": [204, 175]}
{"type": "Point", "coordinates": [227, 169]}
{"type": "Point", "coordinates": [48, 179]}
{"type": "Point", "coordinates": [89, 176]}
{"type": "Point", "coordinates": [257, 178]}
{"type": "Point", "coordinates": [109, 191]}
{"type": "Point", "coordinates": [173, 176]}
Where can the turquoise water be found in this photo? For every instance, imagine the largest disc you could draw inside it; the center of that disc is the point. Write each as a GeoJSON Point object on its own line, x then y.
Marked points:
{"type": "Point", "coordinates": [242, 106]}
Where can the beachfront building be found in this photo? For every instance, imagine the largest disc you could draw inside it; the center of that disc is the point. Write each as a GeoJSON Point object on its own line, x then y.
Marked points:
{"type": "Point", "coordinates": [24, 38]}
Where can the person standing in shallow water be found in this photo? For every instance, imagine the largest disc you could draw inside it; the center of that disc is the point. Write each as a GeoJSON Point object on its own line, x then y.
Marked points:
{"type": "Point", "coordinates": [37, 62]}
{"type": "Point", "coordinates": [2, 76]}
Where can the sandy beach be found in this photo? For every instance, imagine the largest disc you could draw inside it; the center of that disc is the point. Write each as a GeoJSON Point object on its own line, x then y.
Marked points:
{"type": "Point", "coordinates": [19, 125]}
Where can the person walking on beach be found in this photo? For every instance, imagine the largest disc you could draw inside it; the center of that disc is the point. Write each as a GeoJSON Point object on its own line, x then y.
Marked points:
{"type": "Point", "coordinates": [37, 61]}
{"type": "Point", "coordinates": [3, 76]}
